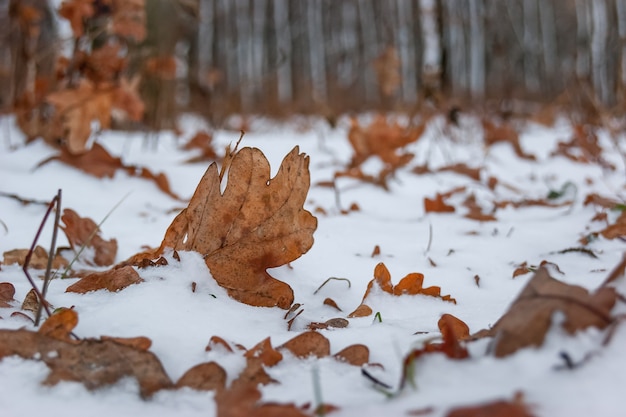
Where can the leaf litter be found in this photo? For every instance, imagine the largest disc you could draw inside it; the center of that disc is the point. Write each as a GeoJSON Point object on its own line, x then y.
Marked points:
{"type": "Point", "coordinates": [244, 395]}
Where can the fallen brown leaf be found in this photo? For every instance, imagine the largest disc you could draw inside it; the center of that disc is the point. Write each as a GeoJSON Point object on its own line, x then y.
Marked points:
{"type": "Point", "coordinates": [530, 316]}
{"type": "Point", "coordinates": [7, 292]}
{"type": "Point", "coordinates": [38, 260]}
{"type": "Point", "coordinates": [99, 163]}
{"type": "Point", "coordinates": [207, 376]}
{"type": "Point", "coordinates": [412, 284]}
{"type": "Point", "coordinates": [308, 344]}
{"type": "Point", "coordinates": [82, 231]}
{"type": "Point", "coordinates": [437, 205]}
{"type": "Point", "coordinates": [356, 355]}
{"type": "Point", "coordinates": [60, 325]}
{"type": "Point", "coordinates": [500, 408]}
{"type": "Point", "coordinates": [114, 279]}
{"type": "Point", "coordinates": [257, 223]}
{"type": "Point", "coordinates": [94, 363]}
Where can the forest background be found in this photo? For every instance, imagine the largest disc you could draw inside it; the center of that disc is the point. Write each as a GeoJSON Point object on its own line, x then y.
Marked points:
{"type": "Point", "coordinates": [279, 57]}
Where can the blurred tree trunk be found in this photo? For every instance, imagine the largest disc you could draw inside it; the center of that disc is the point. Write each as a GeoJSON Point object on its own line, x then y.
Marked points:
{"type": "Point", "coordinates": [431, 56]}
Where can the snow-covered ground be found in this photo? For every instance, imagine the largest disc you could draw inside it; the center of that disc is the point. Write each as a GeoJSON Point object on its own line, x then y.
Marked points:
{"type": "Point", "coordinates": [447, 248]}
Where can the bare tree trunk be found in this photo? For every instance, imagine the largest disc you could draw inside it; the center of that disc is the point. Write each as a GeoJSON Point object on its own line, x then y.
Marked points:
{"type": "Point", "coordinates": [431, 57]}
{"type": "Point", "coordinates": [583, 67]}
{"type": "Point", "coordinates": [457, 72]}
{"type": "Point", "coordinates": [406, 46]}
{"type": "Point", "coordinates": [549, 43]}
{"type": "Point", "coordinates": [369, 44]}
{"type": "Point", "coordinates": [621, 26]}
{"type": "Point", "coordinates": [477, 48]}
{"type": "Point", "coordinates": [317, 59]}
{"type": "Point", "coordinates": [599, 47]}
{"type": "Point", "coordinates": [283, 51]}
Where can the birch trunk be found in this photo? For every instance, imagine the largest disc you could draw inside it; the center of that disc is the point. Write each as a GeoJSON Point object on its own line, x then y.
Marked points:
{"type": "Point", "coordinates": [621, 26]}
{"type": "Point", "coordinates": [477, 48]}
{"type": "Point", "coordinates": [406, 46]}
{"type": "Point", "coordinates": [599, 47]}
{"type": "Point", "coordinates": [283, 51]}
{"type": "Point", "coordinates": [317, 59]}
{"type": "Point", "coordinates": [431, 57]}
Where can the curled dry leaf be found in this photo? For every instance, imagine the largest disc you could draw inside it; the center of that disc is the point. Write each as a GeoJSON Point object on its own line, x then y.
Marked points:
{"type": "Point", "coordinates": [76, 11]}
{"type": "Point", "coordinates": [140, 342]}
{"type": "Point", "coordinates": [75, 110]}
{"type": "Point", "coordinates": [504, 132]}
{"type": "Point", "coordinates": [218, 341]}
{"type": "Point", "coordinates": [530, 316]}
{"type": "Point", "coordinates": [7, 292]}
{"type": "Point", "coordinates": [60, 325]}
{"type": "Point", "coordinates": [265, 352]}
{"type": "Point", "coordinates": [308, 344]}
{"type": "Point", "coordinates": [452, 330]}
{"type": "Point", "coordinates": [336, 323]}
{"type": "Point", "coordinates": [113, 280]}
{"type": "Point", "coordinates": [100, 163]}
{"type": "Point", "coordinates": [38, 260]}
{"type": "Point", "coordinates": [361, 311]}
{"type": "Point", "coordinates": [203, 142]}
{"type": "Point", "coordinates": [500, 408]}
{"type": "Point", "coordinates": [356, 355]}
{"type": "Point", "coordinates": [438, 205]}
{"type": "Point", "coordinates": [82, 231]}
{"type": "Point", "coordinates": [94, 363]}
{"type": "Point", "coordinates": [617, 229]}
{"type": "Point", "coordinates": [257, 223]}
{"type": "Point", "coordinates": [330, 302]}
{"type": "Point", "coordinates": [208, 376]}
{"type": "Point", "coordinates": [412, 284]}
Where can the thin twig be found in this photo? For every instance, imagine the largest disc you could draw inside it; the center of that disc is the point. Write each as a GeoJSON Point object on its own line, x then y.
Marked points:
{"type": "Point", "coordinates": [332, 278]}
{"type": "Point", "coordinates": [430, 238]}
{"type": "Point", "coordinates": [47, 278]}
{"type": "Point", "coordinates": [22, 200]}
{"type": "Point", "coordinates": [40, 297]}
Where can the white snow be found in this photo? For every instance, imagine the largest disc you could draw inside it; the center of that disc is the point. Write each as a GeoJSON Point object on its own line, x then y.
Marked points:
{"type": "Point", "coordinates": [180, 322]}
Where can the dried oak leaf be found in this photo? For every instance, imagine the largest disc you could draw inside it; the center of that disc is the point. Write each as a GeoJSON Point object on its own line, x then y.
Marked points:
{"type": "Point", "coordinates": [114, 279]}
{"type": "Point", "coordinates": [356, 355]}
{"type": "Point", "coordinates": [453, 331]}
{"type": "Point", "coordinates": [504, 132]}
{"type": "Point", "coordinates": [530, 316]}
{"type": "Point", "coordinates": [94, 363]}
{"type": "Point", "coordinates": [207, 376]}
{"type": "Point", "coordinates": [38, 260]}
{"type": "Point", "coordinates": [100, 163]}
{"type": "Point", "coordinates": [583, 147]}
{"type": "Point", "coordinates": [384, 139]}
{"type": "Point", "coordinates": [76, 11]}
{"type": "Point", "coordinates": [75, 110]}
{"type": "Point", "coordinates": [7, 292]}
{"type": "Point", "coordinates": [308, 344]}
{"type": "Point", "coordinates": [500, 408]}
{"type": "Point", "coordinates": [412, 284]}
{"type": "Point", "coordinates": [617, 229]}
{"type": "Point", "coordinates": [257, 223]}
{"type": "Point", "coordinates": [82, 231]}
{"type": "Point", "coordinates": [201, 141]}
{"type": "Point", "coordinates": [437, 205]}
{"type": "Point", "coordinates": [60, 325]}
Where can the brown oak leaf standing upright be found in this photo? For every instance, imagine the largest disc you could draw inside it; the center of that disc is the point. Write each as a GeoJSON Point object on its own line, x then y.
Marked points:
{"type": "Point", "coordinates": [255, 224]}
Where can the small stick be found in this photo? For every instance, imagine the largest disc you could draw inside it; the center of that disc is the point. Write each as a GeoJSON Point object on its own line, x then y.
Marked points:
{"type": "Point", "coordinates": [332, 278]}
{"type": "Point", "coordinates": [42, 301]}
{"type": "Point", "coordinates": [430, 238]}
{"type": "Point", "coordinates": [47, 278]}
